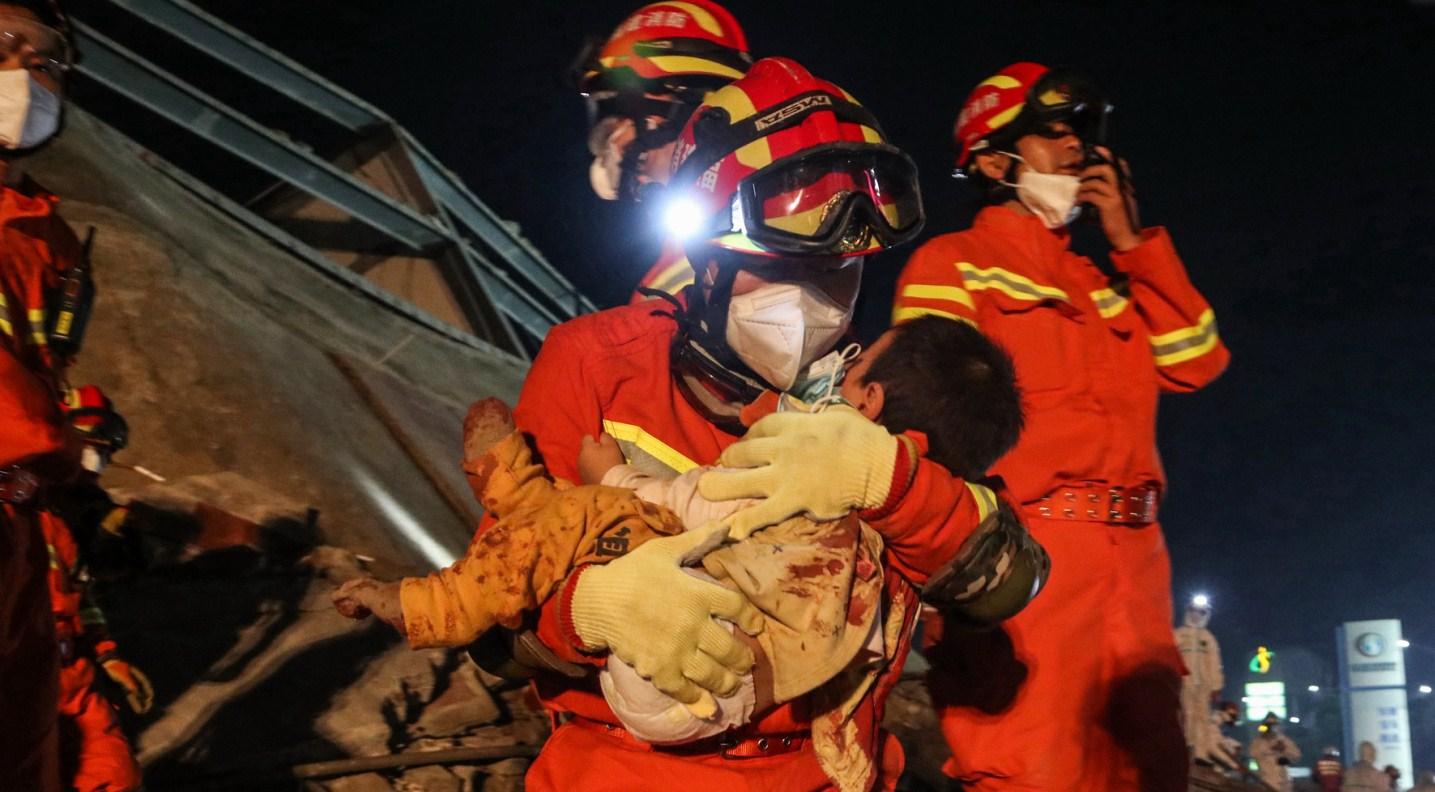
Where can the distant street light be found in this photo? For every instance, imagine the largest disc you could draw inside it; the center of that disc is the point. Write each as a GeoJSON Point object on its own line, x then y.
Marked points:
{"type": "Point", "coordinates": [1426, 689]}
{"type": "Point", "coordinates": [1313, 688]}
{"type": "Point", "coordinates": [1201, 600]}
{"type": "Point", "coordinates": [1295, 719]}
{"type": "Point", "coordinates": [1404, 644]}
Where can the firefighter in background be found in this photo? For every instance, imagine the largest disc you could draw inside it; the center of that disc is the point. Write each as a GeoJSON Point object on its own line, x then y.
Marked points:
{"type": "Point", "coordinates": [640, 87]}
{"type": "Point", "coordinates": [1364, 776]}
{"type": "Point", "coordinates": [42, 296]}
{"type": "Point", "coordinates": [1201, 686]}
{"type": "Point", "coordinates": [1080, 691]}
{"type": "Point", "coordinates": [95, 756]}
{"type": "Point", "coordinates": [1274, 753]}
{"type": "Point", "coordinates": [772, 301]}
{"type": "Point", "coordinates": [1328, 770]}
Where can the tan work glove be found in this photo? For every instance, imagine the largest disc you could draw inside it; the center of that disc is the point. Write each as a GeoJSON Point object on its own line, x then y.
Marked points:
{"type": "Point", "coordinates": [824, 464]}
{"type": "Point", "coordinates": [653, 615]}
{"type": "Point", "coordinates": [138, 690]}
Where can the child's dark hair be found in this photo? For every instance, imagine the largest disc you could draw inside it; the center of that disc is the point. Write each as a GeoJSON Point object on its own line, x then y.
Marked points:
{"type": "Point", "coordinates": [944, 378]}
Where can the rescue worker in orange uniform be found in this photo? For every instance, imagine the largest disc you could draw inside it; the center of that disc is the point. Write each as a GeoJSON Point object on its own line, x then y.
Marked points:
{"type": "Point", "coordinates": [640, 87]}
{"type": "Point", "coordinates": [95, 756]}
{"type": "Point", "coordinates": [38, 254]}
{"type": "Point", "coordinates": [815, 185]}
{"type": "Point", "coordinates": [1080, 690]}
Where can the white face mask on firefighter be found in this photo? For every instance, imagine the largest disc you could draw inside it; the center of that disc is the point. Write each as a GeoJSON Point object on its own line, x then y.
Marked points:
{"type": "Point", "coordinates": [29, 112]}
{"type": "Point", "coordinates": [605, 174]}
{"type": "Point", "coordinates": [779, 328]}
{"type": "Point", "coordinates": [1049, 196]}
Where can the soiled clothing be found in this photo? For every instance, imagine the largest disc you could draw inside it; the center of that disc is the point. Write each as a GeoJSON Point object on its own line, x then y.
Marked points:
{"type": "Point", "coordinates": [546, 530]}
{"type": "Point", "coordinates": [819, 584]}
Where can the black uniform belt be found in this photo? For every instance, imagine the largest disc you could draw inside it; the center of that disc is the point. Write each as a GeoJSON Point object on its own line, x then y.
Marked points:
{"type": "Point", "coordinates": [1099, 503]}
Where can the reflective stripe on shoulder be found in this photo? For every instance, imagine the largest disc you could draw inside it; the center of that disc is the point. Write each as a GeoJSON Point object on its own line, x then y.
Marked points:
{"type": "Point", "coordinates": [985, 498]}
{"type": "Point", "coordinates": [908, 313]}
{"type": "Point", "coordinates": [1009, 283]}
{"type": "Point", "coordinates": [1109, 303]}
{"type": "Point", "coordinates": [635, 439]}
{"type": "Point", "coordinates": [954, 294]}
{"type": "Point", "coordinates": [1188, 343]}
{"type": "Point", "coordinates": [674, 277]}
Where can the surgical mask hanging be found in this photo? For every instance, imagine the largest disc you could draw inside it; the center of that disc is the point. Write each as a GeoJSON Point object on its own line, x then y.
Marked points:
{"type": "Point", "coordinates": [1049, 196]}
{"type": "Point", "coordinates": [817, 385]}
{"type": "Point", "coordinates": [605, 173]}
{"type": "Point", "coordinates": [29, 112]}
{"type": "Point", "coordinates": [780, 328]}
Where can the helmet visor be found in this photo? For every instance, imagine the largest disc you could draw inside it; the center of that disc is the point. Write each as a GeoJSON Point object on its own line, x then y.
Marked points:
{"type": "Point", "coordinates": [845, 199]}
{"type": "Point", "coordinates": [1072, 97]}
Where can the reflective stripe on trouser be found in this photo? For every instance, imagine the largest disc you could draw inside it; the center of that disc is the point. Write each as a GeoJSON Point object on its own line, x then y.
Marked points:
{"type": "Point", "coordinates": [1080, 691]}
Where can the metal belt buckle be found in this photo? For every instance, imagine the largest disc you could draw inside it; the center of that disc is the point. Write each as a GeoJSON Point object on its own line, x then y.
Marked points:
{"type": "Point", "coordinates": [17, 485]}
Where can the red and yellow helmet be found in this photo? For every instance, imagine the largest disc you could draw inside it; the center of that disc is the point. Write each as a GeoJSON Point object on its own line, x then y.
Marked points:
{"type": "Point", "coordinates": [1019, 99]}
{"type": "Point", "coordinates": [92, 413]}
{"type": "Point", "coordinates": [672, 44]}
{"type": "Point", "coordinates": [783, 163]}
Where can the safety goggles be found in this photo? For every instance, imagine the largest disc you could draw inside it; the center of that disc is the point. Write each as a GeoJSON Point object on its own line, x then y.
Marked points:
{"type": "Point", "coordinates": [842, 199]}
{"type": "Point", "coordinates": [37, 47]}
{"type": "Point", "coordinates": [1071, 97]}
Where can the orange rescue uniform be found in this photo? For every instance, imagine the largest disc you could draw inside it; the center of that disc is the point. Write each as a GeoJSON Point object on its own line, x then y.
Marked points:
{"type": "Point", "coordinates": [610, 372]}
{"type": "Point", "coordinates": [36, 247]}
{"type": "Point", "coordinates": [95, 756]}
{"type": "Point", "coordinates": [1080, 689]}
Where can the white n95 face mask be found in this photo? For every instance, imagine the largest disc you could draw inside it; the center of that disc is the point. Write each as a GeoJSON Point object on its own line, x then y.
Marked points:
{"type": "Point", "coordinates": [1049, 196]}
{"type": "Point", "coordinates": [29, 112]}
{"type": "Point", "coordinates": [779, 328]}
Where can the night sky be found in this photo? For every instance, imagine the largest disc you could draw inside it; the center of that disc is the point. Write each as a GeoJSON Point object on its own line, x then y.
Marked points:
{"type": "Point", "coordinates": [1287, 146]}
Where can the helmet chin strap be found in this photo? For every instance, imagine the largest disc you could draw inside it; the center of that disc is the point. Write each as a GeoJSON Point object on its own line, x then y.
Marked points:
{"type": "Point", "coordinates": [709, 374]}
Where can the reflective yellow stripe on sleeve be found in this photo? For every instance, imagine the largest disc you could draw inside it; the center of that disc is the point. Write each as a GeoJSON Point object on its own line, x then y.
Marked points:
{"type": "Point", "coordinates": [1188, 343]}
{"type": "Point", "coordinates": [5, 325]}
{"type": "Point", "coordinates": [985, 498]}
{"type": "Point", "coordinates": [908, 313]}
{"type": "Point", "coordinates": [37, 327]}
{"type": "Point", "coordinates": [955, 294]}
{"type": "Point", "coordinates": [1009, 283]}
{"type": "Point", "coordinates": [652, 446]}
{"type": "Point", "coordinates": [1109, 303]}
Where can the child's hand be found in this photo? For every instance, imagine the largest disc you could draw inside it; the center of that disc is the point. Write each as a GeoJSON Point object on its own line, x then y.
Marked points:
{"type": "Point", "coordinates": [597, 457]}
{"type": "Point", "coordinates": [359, 598]}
